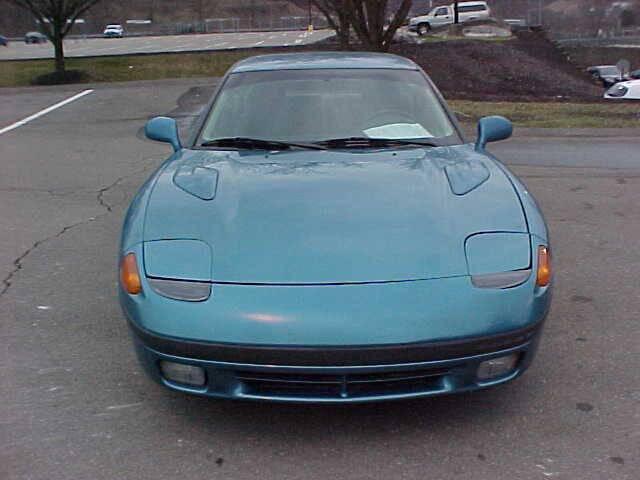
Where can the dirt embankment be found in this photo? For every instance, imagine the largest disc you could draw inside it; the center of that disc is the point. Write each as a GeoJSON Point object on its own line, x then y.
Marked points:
{"type": "Point", "coordinates": [526, 68]}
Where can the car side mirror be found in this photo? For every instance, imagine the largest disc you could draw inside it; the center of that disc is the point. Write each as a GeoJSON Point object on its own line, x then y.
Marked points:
{"type": "Point", "coordinates": [492, 129]}
{"type": "Point", "coordinates": [163, 129]}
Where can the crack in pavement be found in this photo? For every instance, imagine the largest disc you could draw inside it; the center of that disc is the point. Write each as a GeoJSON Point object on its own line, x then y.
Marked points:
{"type": "Point", "coordinates": [53, 192]}
{"type": "Point", "coordinates": [103, 190]}
{"type": "Point", "coordinates": [17, 263]}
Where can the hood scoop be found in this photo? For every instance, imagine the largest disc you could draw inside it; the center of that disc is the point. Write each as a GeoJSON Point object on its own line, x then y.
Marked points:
{"type": "Point", "coordinates": [197, 176]}
{"type": "Point", "coordinates": [465, 171]}
{"type": "Point", "coordinates": [466, 176]}
{"type": "Point", "coordinates": [199, 180]}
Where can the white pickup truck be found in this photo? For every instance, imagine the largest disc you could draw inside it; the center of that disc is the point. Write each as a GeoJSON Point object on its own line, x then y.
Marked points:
{"type": "Point", "coordinates": [444, 15]}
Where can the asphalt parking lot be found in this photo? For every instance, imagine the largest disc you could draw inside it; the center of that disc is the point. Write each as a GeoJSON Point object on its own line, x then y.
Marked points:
{"type": "Point", "coordinates": [74, 404]}
{"type": "Point", "coordinates": [89, 47]}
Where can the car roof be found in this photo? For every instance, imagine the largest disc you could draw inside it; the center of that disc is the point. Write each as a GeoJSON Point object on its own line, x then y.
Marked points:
{"type": "Point", "coordinates": [323, 60]}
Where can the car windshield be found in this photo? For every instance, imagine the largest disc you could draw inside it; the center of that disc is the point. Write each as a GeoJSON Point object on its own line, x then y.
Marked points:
{"type": "Point", "coordinates": [609, 71]}
{"type": "Point", "coordinates": [324, 104]}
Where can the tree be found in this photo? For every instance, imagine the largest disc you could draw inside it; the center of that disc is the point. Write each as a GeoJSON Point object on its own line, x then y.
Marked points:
{"type": "Point", "coordinates": [598, 16]}
{"type": "Point", "coordinates": [368, 18]}
{"type": "Point", "coordinates": [627, 18]}
{"type": "Point", "coordinates": [56, 18]}
{"type": "Point", "coordinates": [335, 11]}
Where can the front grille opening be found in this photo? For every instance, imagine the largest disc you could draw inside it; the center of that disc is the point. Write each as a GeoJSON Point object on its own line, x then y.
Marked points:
{"type": "Point", "coordinates": [414, 385]}
{"type": "Point", "coordinates": [311, 385]}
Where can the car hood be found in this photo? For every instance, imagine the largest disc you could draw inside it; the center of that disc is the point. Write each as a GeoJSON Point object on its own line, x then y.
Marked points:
{"type": "Point", "coordinates": [328, 217]}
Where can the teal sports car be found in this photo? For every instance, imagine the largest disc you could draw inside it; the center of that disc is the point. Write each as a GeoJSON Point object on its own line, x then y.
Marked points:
{"type": "Point", "coordinates": [326, 235]}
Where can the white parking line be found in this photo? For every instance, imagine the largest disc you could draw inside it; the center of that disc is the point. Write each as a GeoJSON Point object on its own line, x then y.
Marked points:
{"type": "Point", "coordinates": [24, 121]}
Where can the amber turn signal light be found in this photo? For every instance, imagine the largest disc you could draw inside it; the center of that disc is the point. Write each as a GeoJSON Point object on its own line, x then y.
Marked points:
{"type": "Point", "coordinates": [544, 267]}
{"type": "Point", "coordinates": [129, 277]}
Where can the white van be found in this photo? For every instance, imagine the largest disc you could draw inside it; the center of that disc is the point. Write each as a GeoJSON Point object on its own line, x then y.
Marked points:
{"type": "Point", "coordinates": [444, 15]}
{"type": "Point", "coordinates": [629, 90]}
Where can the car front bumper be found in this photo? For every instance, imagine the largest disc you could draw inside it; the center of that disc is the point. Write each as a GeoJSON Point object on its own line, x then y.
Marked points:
{"type": "Point", "coordinates": [328, 344]}
{"type": "Point", "coordinates": [336, 375]}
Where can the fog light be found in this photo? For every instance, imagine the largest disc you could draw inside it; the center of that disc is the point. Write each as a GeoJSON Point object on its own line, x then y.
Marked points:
{"type": "Point", "coordinates": [497, 367]}
{"type": "Point", "coordinates": [182, 373]}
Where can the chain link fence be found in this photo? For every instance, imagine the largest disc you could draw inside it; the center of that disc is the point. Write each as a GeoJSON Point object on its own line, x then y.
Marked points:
{"type": "Point", "coordinates": [234, 24]}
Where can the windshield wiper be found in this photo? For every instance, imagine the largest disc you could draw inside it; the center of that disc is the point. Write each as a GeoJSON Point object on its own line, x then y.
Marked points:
{"type": "Point", "coordinates": [366, 142]}
{"type": "Point", "coordinates": [258, 144]}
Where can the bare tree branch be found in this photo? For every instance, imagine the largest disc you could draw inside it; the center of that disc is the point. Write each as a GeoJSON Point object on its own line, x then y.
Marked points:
{"type": "Point", "coordinates": [368, 19]}
{"type": "Point", "coordinates": [79, 11]}
{"type": "Point", "coordinates": [396, 22]}
{"type": "Point", "coordinates": [337, 18]}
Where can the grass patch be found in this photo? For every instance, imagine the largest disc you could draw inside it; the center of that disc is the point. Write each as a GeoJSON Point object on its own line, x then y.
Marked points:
{"type": "Point", "coordinates": [442, 38]}
{"type": "Point", "coordinates": [126, 68]}
{"type": "Point", "coordinates": [553, 115]}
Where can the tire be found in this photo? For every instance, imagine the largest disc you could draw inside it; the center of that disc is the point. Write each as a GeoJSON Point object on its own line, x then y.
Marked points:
{"type": "Point", "coordinates": [423, 29]}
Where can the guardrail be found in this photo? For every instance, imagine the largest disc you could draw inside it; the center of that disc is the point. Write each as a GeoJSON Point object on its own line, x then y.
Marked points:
{"type": "Point", "coordinates": [604, 37]}
{"type": "Point", "coordinates": [600, 42]}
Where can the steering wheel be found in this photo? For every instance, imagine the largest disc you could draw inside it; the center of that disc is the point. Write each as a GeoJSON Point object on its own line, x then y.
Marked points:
{"type": "Point", "coordinates": [391, 115]}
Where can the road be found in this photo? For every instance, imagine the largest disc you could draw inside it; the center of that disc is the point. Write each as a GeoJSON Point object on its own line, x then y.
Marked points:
{"type": "Point", "coordinates": [90, 47]}
{"type": "Point", "coordinates": [74, 403]}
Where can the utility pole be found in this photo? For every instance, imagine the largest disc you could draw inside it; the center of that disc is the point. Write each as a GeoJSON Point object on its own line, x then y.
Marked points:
{"type": "Point", "coordinates": [456, 16]}
{"type": "Point", "coordinates": [534, 10]}
{"type": "Point", "coordinates": [310, 24]}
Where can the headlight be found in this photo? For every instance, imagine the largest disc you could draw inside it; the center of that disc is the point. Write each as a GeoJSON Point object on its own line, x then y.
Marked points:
{"type": "Point", "coordinates": [180, 289]}
{"type": "Point", "coordinates": [501, 280]}
{"type": "Point", "coordinates": [617, 91]}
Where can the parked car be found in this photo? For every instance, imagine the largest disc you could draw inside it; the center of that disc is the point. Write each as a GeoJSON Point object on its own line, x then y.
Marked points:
{"type": "Point", "coordinates": [444, 15]}
{"type": "Point", "coordinates": [627, 90]}
{"type": "Point", "coordinates": [113, 31]}
{"type": "Point", "coordinates": [608, 75]}
{"type": "Point", "coordinates": [328, 235]}
{"type": "Point", "coordinates": [4, 41]}
{"type": "Point", "coordinates": [34, 37]}
{"type": "Point", "coordinates": [635, 75]}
